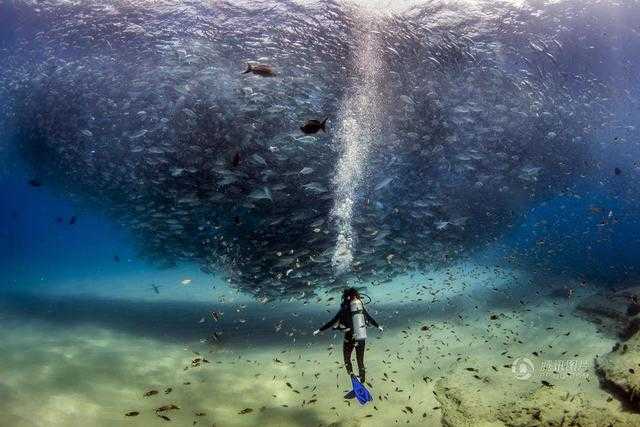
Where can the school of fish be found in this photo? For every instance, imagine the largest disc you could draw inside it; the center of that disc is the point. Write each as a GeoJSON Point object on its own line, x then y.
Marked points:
{"type": "Point", "coordinates": [200, 127]}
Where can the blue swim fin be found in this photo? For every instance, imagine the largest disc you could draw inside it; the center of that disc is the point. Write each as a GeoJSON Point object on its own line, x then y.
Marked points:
{"type": "Point", "coordinates": [361, 392]}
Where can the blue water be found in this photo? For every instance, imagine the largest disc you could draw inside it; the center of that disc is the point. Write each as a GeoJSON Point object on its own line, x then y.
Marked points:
{"type": "Point", "coordinates": [39, 244]}
{"type": "Point", "coordinates": [575, 236]}
{"type": "Point", "coordinates": [480, 163]}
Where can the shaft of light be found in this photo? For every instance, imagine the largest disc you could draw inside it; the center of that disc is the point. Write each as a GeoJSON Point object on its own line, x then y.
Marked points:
{"type": "Point", "coordinates": [356, 133]}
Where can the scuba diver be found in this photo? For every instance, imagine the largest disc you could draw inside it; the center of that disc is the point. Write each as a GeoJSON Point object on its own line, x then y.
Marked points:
{"type": "Point", "coordinates": [353, 319]}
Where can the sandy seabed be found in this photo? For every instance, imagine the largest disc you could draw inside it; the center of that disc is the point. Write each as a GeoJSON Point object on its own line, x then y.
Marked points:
{"type": "Point", "coordinates": [60, 373]}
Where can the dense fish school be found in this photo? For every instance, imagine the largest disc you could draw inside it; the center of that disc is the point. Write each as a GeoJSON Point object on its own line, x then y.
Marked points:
{"type": "Point", "coordinates": [202, 156]}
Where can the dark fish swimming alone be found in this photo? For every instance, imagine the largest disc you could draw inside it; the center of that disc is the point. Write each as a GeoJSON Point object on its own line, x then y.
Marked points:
{"type": "Point", "coordinates": [313, 126]}
{"type": "Point", "coordinates": [35, 183]}
{"type": "Point", "coordinates": [73, 220]}
{"type": "Point", "coordinates": [263, 70]}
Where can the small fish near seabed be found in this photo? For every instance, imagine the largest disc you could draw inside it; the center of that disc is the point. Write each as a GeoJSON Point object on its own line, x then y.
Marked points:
{"type": "Point", "coordinates": [164, 408]}
{"type": "Point", "coordinates": [263, 70]}
{"type": "Point", "coordinates": [314, 126]}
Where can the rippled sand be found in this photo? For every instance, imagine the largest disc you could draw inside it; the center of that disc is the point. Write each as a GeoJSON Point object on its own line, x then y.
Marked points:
{"type": "Point", "coordinates": [91, 371]}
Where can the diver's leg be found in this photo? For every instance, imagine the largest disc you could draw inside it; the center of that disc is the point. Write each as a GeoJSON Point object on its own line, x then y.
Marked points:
{"type": "Point", "coordinates": [360, 358]}
{"type": "Point", "coordinates": [347, 349]}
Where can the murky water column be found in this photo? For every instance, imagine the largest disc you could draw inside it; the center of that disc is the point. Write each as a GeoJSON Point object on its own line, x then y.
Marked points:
{"type": "Point", "coordinates": [357, 132]}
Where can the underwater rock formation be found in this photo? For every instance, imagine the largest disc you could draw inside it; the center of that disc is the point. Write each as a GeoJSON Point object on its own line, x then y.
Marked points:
{"type": "Point", "coordinates": [620, 369]}
{"type": "Point", "coordinates": [500, 400]}
{"type": "Point", "coordinates": [616, 312]}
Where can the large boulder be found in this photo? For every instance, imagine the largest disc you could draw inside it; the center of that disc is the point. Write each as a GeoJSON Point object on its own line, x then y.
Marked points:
{"type": "Point", "coordinates": [620, 370]}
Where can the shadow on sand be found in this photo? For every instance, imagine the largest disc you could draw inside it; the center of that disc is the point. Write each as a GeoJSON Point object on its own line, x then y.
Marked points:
{"type": "Point", "coordinates": [253, 324]}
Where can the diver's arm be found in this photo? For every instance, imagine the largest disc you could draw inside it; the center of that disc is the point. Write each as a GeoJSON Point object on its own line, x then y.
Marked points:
{"type": "Point", "coordinates": [370, 319]}
{"type": "Point", "coordinates": [330, 322]}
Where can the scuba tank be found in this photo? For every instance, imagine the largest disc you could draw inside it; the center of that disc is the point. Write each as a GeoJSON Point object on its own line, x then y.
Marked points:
{"type": "Point", "coordinates": [357, 316]}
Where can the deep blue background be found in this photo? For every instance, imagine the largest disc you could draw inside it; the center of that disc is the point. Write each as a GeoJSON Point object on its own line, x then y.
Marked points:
{"type": "Point", "coordinates": [34, 245]}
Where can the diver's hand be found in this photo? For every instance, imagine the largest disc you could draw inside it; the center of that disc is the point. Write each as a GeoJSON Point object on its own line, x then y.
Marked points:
{"type": "Point", "coordinates": [380, 328]}
{"type": "Point", "coordinates": [316, 332]}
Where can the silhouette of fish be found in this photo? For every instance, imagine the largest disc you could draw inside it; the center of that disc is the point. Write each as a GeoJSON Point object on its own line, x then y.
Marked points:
{"type": "Point", "coordinates": [164, 408]}
{"type": "Point", "coordinates": [313, 126]}
{"type": "Point", "coordinates": [263, 70]}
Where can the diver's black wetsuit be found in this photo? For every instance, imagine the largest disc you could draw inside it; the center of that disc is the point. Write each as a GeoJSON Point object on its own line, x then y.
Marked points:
{"type": "Point", "coordinates": [343, 320]}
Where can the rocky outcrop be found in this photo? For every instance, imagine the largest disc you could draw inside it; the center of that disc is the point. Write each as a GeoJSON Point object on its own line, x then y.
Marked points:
{"type": "Point", "coordinates": [497, 399]}
{"type": "Point", "coordinates": [492, 396]}
{"type": "Point", "coordinates": [554, 407]}
{"type": "Point", "coordinates": [617, 313]}
{"type": "Point", "coordinates": [620, 370]}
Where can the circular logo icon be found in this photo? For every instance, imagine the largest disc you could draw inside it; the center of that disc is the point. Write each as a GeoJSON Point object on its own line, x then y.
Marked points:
{"type": "Point", "coordinates": [522, 368]}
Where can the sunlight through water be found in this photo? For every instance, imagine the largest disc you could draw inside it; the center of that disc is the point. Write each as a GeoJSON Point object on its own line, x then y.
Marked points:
{"type": "Point", "coordinates": [357, 131]}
